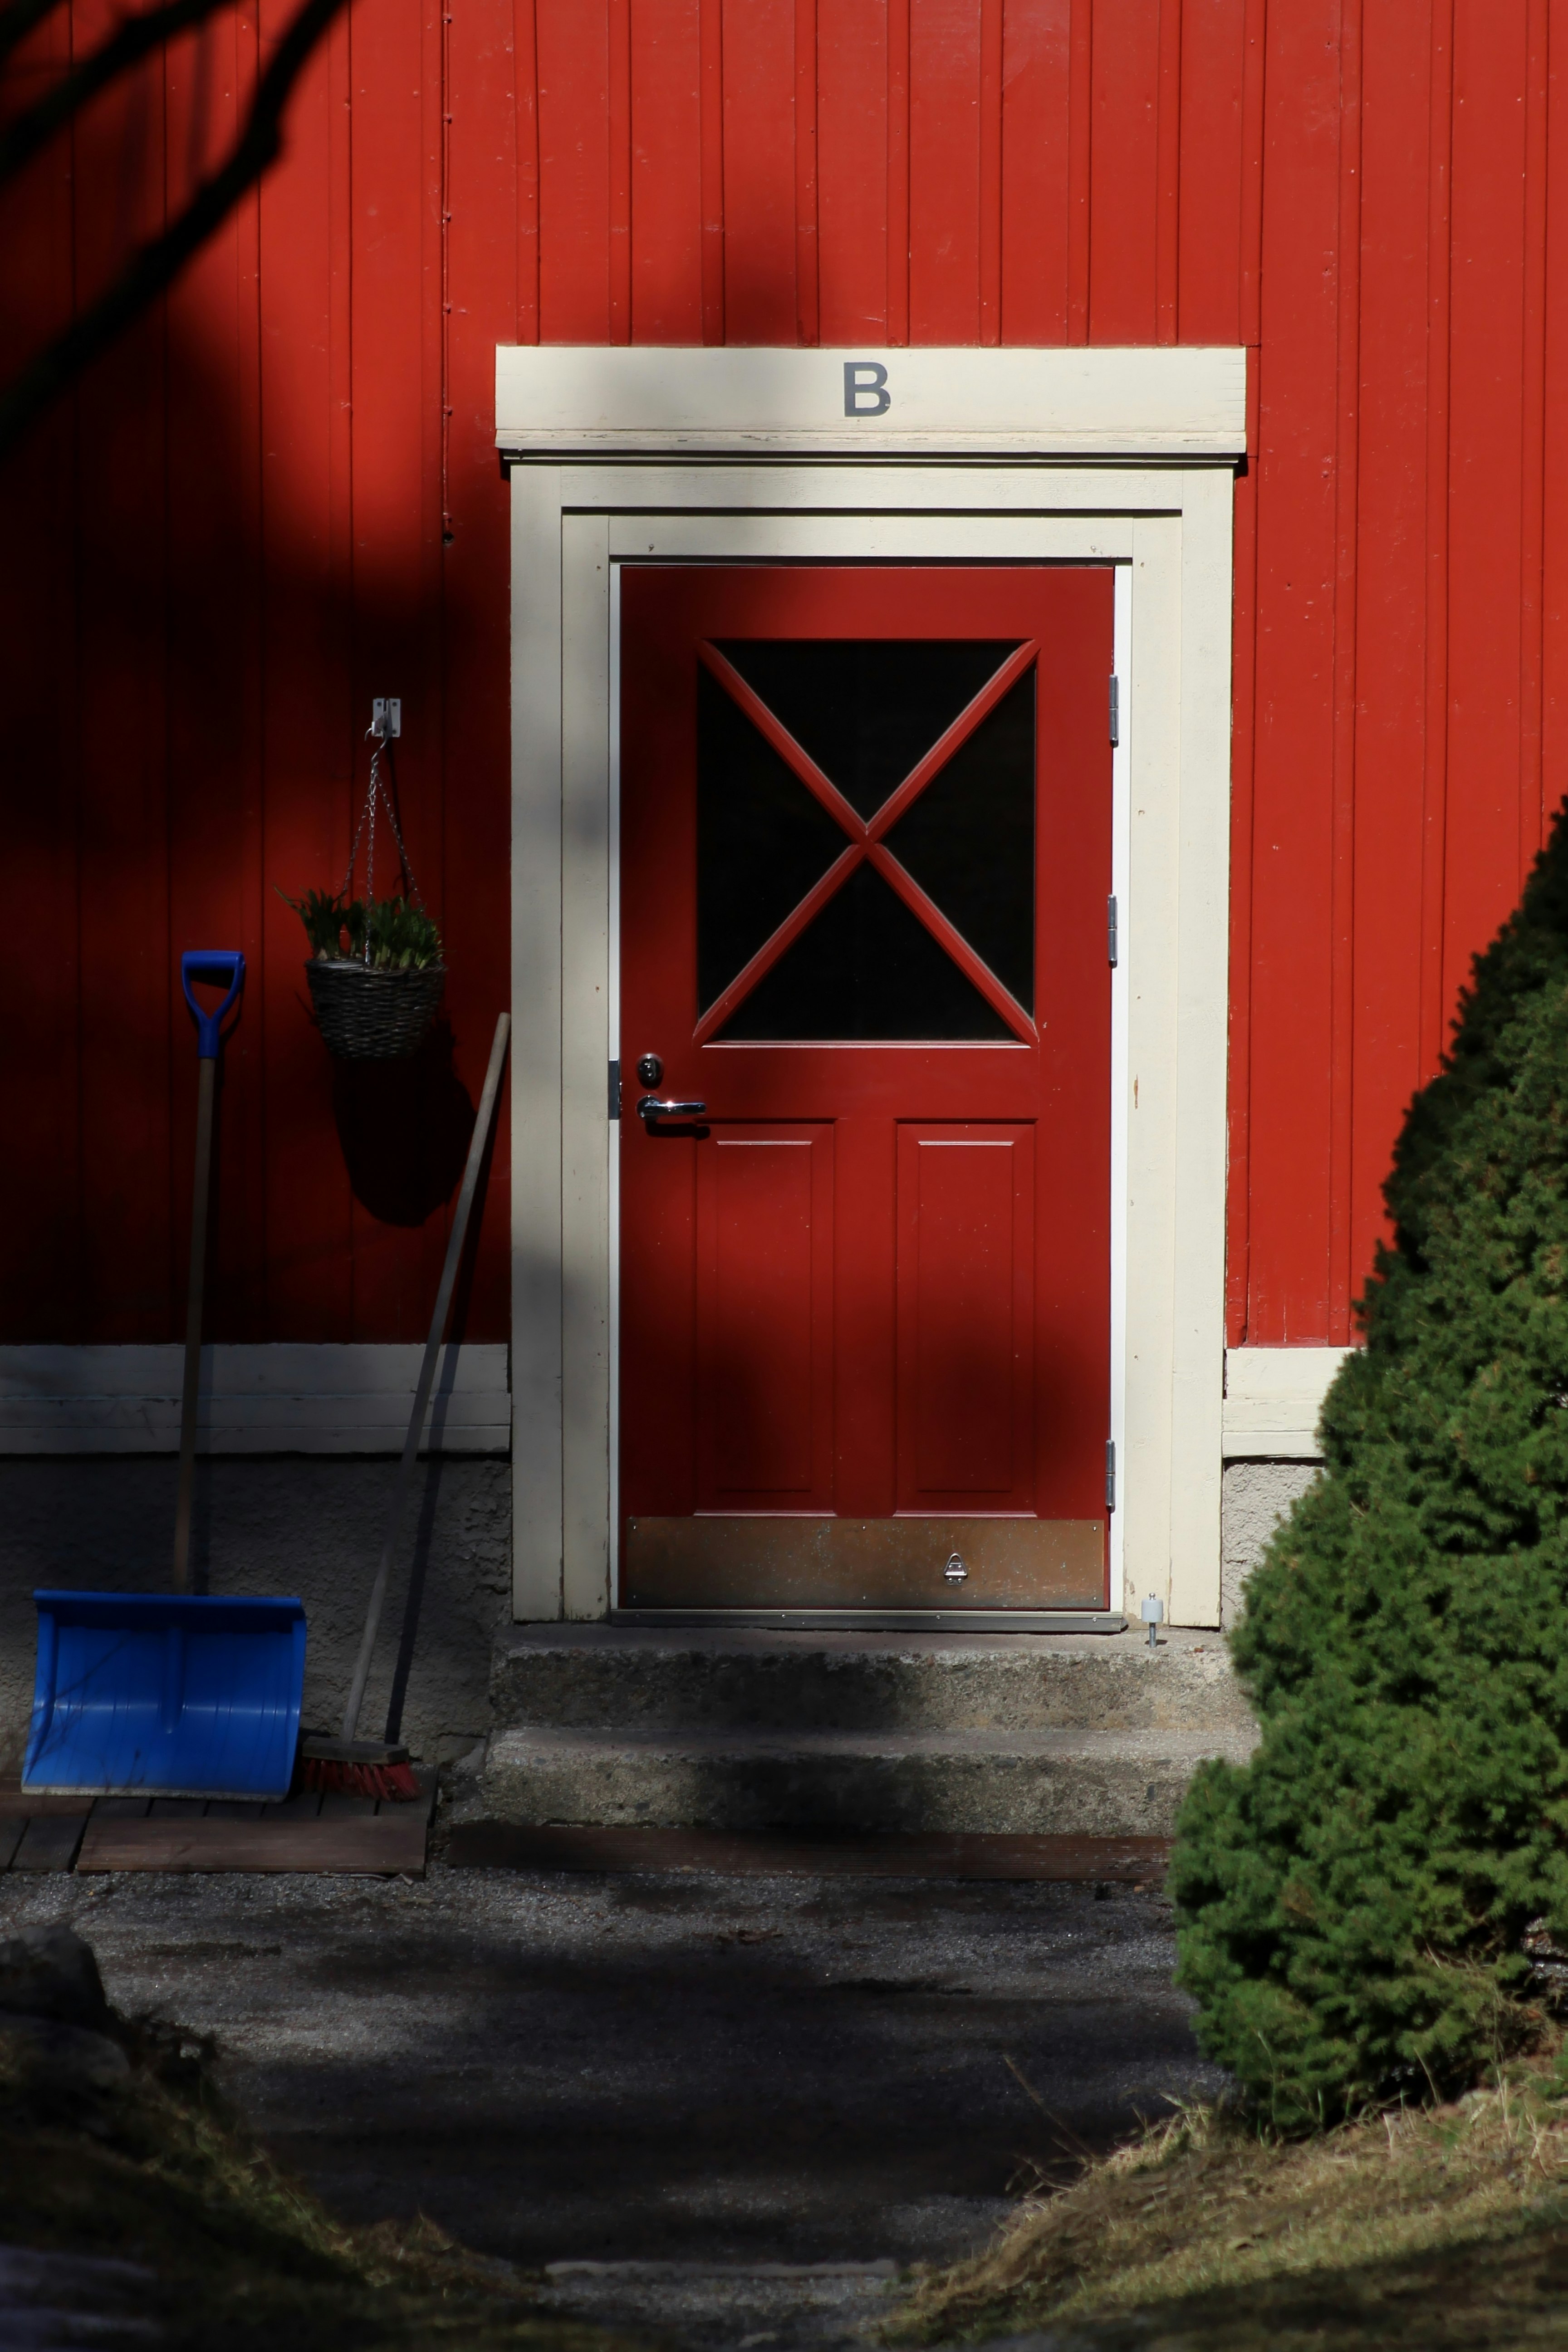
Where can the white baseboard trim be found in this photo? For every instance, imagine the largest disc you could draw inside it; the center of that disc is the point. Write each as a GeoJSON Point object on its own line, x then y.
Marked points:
{"type": "Point", "coordinates": [1272, 1399]}
{"type": "Point", "coordinates": [282, 1399]}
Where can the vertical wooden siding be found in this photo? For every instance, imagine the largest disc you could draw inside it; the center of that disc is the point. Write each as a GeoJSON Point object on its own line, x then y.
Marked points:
{"type": "Point", "coordinates": [281, 496]}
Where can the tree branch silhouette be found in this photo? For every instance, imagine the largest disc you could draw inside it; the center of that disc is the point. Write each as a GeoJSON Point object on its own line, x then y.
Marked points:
{"type": "Point", "coordinates": [134, 38]}
{"type": "Point", "coordinates": [155, 265]}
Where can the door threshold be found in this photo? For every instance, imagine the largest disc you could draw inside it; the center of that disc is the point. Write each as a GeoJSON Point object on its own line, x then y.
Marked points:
{"type": "Point", "coordinates": [887, 1621]}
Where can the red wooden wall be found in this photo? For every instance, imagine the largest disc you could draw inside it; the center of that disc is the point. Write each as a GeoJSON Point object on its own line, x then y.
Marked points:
{"type": "Point", "coordinates": [280, 496]}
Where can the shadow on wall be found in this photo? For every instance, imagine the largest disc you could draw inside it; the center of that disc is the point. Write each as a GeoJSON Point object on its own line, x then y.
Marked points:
{"type": "Point", "coordinates": [196, 617]}
{"type": "Point", "coordinates": [312, 1528]}
{"type": "Point", "coordinates": [404, 1127]}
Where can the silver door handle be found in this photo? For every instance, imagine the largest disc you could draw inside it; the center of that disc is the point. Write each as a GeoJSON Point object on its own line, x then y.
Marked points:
{"type": "Point", "coordinates": [650, 1107]}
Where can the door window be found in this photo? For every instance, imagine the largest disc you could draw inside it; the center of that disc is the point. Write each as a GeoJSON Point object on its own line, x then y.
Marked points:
{"type": "Point", "coordinates": [865, 840]}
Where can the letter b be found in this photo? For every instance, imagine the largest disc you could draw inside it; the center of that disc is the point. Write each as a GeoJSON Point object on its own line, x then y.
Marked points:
{"type": "Point", "coordinates": [865, 392]}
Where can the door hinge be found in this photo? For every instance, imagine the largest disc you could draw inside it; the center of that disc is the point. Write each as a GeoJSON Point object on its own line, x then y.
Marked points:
{"type": "Point", "coordinates": [1110, 934]}
{"type": "Point", "coordinates": [614, 1089]}
{"type": "Point", "coordinates": [1111, 1474]}
{"type": "Point", "coordinates": [1115, 707]}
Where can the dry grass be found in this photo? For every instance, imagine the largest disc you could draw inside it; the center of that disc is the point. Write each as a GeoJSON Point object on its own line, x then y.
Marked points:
{"type": "Point", "coordinates": [1439, 2228]}
{"type": "Point", "coordinates": [155, 2172]}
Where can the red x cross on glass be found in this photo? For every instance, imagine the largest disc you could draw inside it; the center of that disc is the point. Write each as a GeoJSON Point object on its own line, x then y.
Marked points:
{"type": "Point", "coordinates": [867, 843]}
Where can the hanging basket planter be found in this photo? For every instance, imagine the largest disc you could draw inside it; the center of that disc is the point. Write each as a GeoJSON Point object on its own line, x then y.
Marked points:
{"type": "Point", "coordinates": [366, 1015]}
{"type": "Point", "coordinates": [376, 970]}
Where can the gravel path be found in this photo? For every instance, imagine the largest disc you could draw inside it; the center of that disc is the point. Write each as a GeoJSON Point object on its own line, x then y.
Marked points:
{"type": "Point", "coordinates": [728, 2110]}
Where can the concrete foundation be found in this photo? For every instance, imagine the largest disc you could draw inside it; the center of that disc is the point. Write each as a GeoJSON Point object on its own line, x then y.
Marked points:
{"type": "Point", "coordinates": [313, 1527]}
{"type": "Point", "coordinates": [1255, 1497]}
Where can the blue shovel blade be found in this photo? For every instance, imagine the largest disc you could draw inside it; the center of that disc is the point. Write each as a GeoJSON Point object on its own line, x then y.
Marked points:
{"type": "Point", "coordinates": [165, 1694]}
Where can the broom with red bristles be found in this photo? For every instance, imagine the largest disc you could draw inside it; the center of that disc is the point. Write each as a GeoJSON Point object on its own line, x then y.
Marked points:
{"type": "Point", "coordinates": [377, 1767]}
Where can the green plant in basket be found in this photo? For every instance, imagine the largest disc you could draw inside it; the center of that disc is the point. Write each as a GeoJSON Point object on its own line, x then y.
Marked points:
{"type": "Point", "coordinates": [325, 917]}
{"type": "Point", "coordinates": [375, 971]}
{"type": "Point", "coordinates": [397, 937]}
{"type": "Point", "coordinates": [389, 935]}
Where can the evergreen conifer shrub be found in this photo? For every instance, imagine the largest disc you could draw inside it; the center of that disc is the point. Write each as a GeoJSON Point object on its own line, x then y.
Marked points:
{"type": "Point", "coordinates": [1350, 1901]}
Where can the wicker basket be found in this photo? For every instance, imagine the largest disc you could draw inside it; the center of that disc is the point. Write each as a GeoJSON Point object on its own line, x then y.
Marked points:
{"type": "Point", "coordinates": [366, 1015]}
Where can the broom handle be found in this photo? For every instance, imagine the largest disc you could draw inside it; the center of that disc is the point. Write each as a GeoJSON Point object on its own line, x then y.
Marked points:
{"type": "Point", "coordinates": [483, 1120]}
{"type": "Point", "coordinates": [206, 1087]}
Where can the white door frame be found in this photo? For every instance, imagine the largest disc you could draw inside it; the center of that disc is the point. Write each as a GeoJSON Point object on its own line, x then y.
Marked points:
{"type": "Point", "coordinates": [1166, 525]}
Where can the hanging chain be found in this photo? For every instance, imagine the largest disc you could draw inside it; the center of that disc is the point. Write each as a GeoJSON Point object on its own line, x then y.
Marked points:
{"type": "Point", "coordinates": [377, 791]}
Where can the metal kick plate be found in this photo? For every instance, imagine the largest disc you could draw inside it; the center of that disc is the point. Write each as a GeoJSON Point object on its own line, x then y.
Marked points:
{"type": "Point", "coordinates": [821, 1563]}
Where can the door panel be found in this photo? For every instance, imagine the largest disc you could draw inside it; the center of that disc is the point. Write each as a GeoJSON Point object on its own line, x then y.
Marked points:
{"type": "Point", "coordinates": [765, 1319]}
{"type": "Point", "coordinates": [966, 1341]}
{"type": "Point", "coordinates": [864, 1295]}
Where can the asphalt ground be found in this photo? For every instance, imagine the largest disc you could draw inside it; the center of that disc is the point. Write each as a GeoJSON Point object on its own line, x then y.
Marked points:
{"type": "Point", "coordinates": [730, 2111]}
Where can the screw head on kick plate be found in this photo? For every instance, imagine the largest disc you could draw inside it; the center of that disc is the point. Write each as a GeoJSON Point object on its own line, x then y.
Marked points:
{"type": "Point", "coordinates": [955, 1572]}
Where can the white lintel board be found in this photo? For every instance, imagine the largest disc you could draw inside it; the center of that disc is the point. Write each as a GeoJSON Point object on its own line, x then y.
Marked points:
{"type": "Point", "coordinates": [561, 400]}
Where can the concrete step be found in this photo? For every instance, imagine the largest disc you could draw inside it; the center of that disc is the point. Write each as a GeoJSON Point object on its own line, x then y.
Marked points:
{"type": "Point", "coordinates": [642, 1678]}
{"type": "Point", "coordinates": [1123, 1783]}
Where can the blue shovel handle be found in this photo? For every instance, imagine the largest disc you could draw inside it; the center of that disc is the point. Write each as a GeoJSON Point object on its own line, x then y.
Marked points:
{"type": "Point", "coordinates": [215, 965]}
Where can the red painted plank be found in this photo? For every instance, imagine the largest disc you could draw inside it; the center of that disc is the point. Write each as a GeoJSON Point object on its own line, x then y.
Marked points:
{"type": "Point", "coordinates": [1081, 166]}
{"type": "Point", "coordinates": [1481, 833]}
{"type": "Point", "coordinates": [1532, 810]}
{"type": "Point", "coordinates": [1125, 173]}
{"type": "Point", "coordinates": [1392, 645]}
{"type": "Point", "coordinates": [126, 1244]}
{"type": "Point", "coordinates": [525, 131]}
{"type": "Point", "coordinates": [712, 113]}
{"type": "Point", "coordinates": [1168, 173]}
{"type": "Point", "coordinates": [852, 169]}
{"type": "Point", "coordinates": [1292, 885]}
{"type": "Point", "coordinates": [667, 172]}
{"type": "Point", "coordinates": [1036, 179]}
{"type": "Point", "coordinates": [1347, 459]}
{"type": "Point", "coordinates": [40, 953]}
{"type": "Point", "coordinates": [1433, 1005]}
{"type": "Point", "coordinates": [574, 50]}
{"type": "Point", "coordinates": [899, 169]}
{"type": "Point", "coordinates": [396, 374]}
{"type": "Point", "coordinates": [990, 178]}
{"type": "Point", "coordinates": [944, 172]}
{"type": "Point", "coordinates": [305, 473]}
{"type": "Point", "coordinates": [760, 190]}
{"type": "Point", "coordinates": [619, 144]}
{"type": "Point", "coordinates": [807, 276]}
{"type": "Point", "coordinates": [214, 744]}
{"type": "Point", "coordinates": [1554, 470]}
{"type": "Point", "coordinates": [1209, 217]}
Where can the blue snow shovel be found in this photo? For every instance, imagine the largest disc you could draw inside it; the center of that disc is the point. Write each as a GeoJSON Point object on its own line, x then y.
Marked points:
{"type": "Point", "coordinates": [171, 1695]}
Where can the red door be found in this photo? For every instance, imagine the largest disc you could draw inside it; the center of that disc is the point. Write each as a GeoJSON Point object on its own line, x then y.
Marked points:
{"type": "Point", "coordinates": [865, 1272]}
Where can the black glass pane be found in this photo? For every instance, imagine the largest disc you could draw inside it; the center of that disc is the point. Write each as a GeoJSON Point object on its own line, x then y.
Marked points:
{"type": "Point", "coordinates": [866, 969]}
{"type": "Point", "coordinates": [867, 709]}
{"type": "Point", "coordinates": [969, 840]}
{"type": "Point", "coordinates": [762, 840]}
